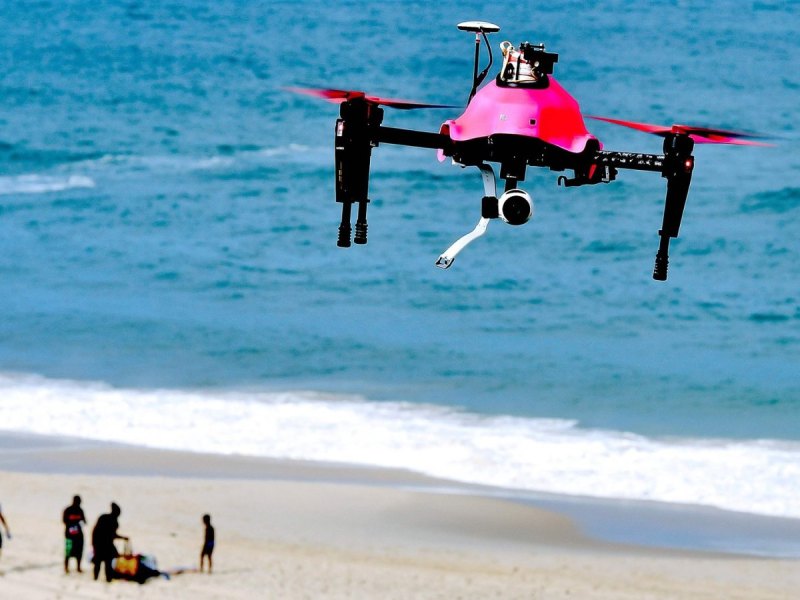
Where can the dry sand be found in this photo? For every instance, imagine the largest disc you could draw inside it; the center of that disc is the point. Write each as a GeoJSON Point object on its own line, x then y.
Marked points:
{"type": "Point", "coordinates": [295, 530]}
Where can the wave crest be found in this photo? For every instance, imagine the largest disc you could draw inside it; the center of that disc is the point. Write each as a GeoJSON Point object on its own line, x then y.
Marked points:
{"type": "Point", "coordinates": [550, 455]}
{"type": "Point", "coordinates": [42, 184]}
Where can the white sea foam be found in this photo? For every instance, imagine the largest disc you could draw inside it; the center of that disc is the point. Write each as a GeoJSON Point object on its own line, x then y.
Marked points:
{"type": "Point", "coordinates": [287, 151]}
{"type": "Point", "coordinates": [179, 163]}
{"type": "Point", "coordinates": [757, 476]}
{"type": "Point", "coordinates": [159, 163]}
{"type": "Point", "coordinates": [40, 184]}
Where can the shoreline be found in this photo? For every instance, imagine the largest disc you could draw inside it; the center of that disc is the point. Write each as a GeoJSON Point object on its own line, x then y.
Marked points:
{"type": "Point", "coordinates": [648, 524]}
{"type": "Point", "coordinates": [297, 530]}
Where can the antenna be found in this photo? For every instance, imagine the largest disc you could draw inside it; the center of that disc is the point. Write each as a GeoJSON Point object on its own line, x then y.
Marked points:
{"type": "Point", "coordinates": [480, 29]}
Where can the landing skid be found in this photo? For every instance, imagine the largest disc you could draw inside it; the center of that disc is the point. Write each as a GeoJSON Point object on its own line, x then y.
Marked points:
{"type": "Point", "coordinates": [446, 259]}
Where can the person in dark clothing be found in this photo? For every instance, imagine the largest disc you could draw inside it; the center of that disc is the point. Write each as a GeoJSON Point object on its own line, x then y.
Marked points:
{"type": "Point", "coordinates": [8, 531]}
{"type": "Point", "coordinates": [208, 543]}
{"type": "Point", "coordinates": [103, 536]}
{"type": "Point", "coordinates": [73, 533]}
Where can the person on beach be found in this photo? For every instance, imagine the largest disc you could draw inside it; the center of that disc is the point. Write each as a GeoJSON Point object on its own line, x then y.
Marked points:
{"type": "Point", "coordinates": [8, 531]}
{"type": "Point", "coordinates": [103, 536]}
{"type": "Point", "coordinates": [208, 543]}
{"type": "Point", "coordinates": [73, 533]}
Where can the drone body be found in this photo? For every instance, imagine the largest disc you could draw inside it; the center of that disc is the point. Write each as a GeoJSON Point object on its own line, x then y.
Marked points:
{"type": "Point", "coordinates": [546, 113]}
{"type": "Point", "coordinates": [523, 118]}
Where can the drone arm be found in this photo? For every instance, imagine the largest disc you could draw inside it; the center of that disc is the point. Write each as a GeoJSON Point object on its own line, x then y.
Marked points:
{"type": "Point", "coordinates": [630, 160]}
{"type": "Point", "coordinates": [410, 137]}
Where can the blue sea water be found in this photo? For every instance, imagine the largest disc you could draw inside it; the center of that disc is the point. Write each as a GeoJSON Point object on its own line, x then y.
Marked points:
{"type": "Point", "coordinates": [170, 277]}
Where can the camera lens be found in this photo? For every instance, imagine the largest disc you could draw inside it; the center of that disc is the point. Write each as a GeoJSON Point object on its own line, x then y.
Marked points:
{"type": "Point", "coordinates": [516, 209]}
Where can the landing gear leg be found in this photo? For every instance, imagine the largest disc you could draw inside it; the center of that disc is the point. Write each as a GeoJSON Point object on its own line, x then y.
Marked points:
{"type": "Point", "coordinates": [678, 172]}
{"type": "Point", "coordinates": [490, 194]}
{"type": "Point", "coordinates": [354, 142]}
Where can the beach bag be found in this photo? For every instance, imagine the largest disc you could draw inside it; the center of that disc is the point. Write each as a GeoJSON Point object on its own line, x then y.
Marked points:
{"type": "Point", "coordinates": [134, 567]}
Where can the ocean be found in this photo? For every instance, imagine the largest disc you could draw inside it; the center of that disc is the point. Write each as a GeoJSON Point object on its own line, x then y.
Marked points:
{"type": "Point", "coordinates": [170, 276]}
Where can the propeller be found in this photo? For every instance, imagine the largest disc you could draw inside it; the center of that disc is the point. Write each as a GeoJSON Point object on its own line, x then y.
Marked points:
{"type": "Point", "coordinates": [701, 135]}
{"type": "Point", "coordinates": [338, 96]}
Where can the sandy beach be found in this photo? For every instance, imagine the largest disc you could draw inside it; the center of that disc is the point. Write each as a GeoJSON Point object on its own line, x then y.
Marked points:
{"type": "Point", "coordinates": [301, 530]}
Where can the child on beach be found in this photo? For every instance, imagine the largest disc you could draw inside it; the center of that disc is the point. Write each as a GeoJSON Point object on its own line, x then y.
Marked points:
{"type": "Point", "coordinates": [208, 543]}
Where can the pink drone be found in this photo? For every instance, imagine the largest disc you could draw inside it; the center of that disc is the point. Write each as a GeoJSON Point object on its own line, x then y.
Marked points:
{"type": "Point", "coordinates": [522, 118]}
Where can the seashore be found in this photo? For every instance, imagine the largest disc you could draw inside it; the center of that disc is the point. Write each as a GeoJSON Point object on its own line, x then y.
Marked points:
{"type": "Point", "coordinates": [291, 529]}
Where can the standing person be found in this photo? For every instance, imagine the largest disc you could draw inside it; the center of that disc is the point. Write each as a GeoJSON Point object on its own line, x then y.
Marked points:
{"type": "Point", "coordinates": [73, 533]}
{"type": "Point", "coordinates": [8, 531]}
{"type": "Point", "coordinates": [103, 536]}
{"type": "Point", "coordinates": [208, 543]}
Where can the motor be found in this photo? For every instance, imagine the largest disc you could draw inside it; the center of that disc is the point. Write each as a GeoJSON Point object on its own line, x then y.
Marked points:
{"type": "Point", "coordinates": [515, 207]}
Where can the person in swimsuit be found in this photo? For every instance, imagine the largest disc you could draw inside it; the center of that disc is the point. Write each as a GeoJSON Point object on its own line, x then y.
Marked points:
{"type": "Point", "coordinates": [73, 533]}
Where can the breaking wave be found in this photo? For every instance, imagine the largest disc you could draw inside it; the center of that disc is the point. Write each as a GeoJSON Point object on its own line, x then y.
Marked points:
{"type": "Point", "coordinates": [549, 455]}
{"type": "Point", "coordinates": [42, 184]}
